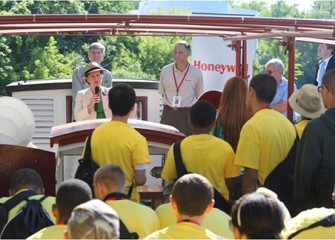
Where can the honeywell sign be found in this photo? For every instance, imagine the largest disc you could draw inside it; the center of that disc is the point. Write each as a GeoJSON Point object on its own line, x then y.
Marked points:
{"type": "Point", "coordinates": [217, 61]}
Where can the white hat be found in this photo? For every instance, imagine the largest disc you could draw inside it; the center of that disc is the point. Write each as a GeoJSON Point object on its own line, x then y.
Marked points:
{"type": "Point", "coordinates": [307, 101]}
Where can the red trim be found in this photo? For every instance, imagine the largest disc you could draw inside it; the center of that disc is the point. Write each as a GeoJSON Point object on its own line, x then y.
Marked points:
{"type": "Point", "coordinates": [190, 221]}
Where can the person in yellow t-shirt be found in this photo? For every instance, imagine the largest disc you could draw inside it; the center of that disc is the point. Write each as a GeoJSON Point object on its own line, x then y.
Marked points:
{"type": "Point", "coordinates": [203, 153]}
{"type": "Point", "coordinates": [306, 101]}
{"type": "Point", "coordinates": [117, 142]}
{"type": "Point", "coordinates": [70, 193]}
{"type": "Point", "coordinates": [216, 221]}
{"type": "Point", "coordinates": [23, 180]}
{"type": "Point", "coordinates": [265, 139]}
{"type": "Point", "coordinates": [299, 227]}
{"type": "Point", "coordinates": [109, 186]}
{"type": "Point", "coordinates": [191, 201]}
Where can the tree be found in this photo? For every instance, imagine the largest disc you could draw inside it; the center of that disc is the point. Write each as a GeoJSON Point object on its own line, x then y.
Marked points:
{"type": "Point", "coordinates": [269, 48]}
{"type": "Point", "coordinates": [6, 70]}
{"type": "Point", "coordinates": [47, 63]}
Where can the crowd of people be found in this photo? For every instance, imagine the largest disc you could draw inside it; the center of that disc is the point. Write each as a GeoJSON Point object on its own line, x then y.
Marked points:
{"type": "Point", "coordinates": [274, 179]}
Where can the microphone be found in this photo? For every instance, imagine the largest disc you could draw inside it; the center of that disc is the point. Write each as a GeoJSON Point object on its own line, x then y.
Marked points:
{"type": "Point", "coordinates": [96, 91]}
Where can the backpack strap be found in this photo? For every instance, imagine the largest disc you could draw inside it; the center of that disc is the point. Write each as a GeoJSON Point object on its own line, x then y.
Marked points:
{"type": "Point", "coordinates": [328, 221]}
{"type": "Point", "coordinates": [124, 232]}
{"type": "Point", "coordinates": [88, 152]}
{"type": "Point", "coordinates": [180, 167]}
{"type": "Point", "coordinates": [130, 191]}
{"type": "Point", "coordinates": [15, 200]}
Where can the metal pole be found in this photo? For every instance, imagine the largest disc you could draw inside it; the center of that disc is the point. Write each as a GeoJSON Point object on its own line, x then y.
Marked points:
{"type": "Point", "coordinates": [291, 60]}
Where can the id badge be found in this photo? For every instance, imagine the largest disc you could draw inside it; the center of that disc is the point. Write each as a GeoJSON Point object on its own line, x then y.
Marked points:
{"type": "Point", "coordinates": [176, 101]}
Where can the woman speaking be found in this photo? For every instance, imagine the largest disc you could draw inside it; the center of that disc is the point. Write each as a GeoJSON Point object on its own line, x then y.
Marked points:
{"type": "Point", "coordinates": [92, 102]}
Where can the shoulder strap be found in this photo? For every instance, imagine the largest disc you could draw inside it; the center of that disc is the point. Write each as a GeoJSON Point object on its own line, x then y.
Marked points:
{"type": "Point", "coordinates": [124, 232]}
{"type": "Point", "coordinates": [42, 198]}
{"type": "Point", "coordinates": [328, 221]}
{"type": "Point", "coordinates": [130, 191]}
{"type": "Point", "coordinates": [87, 154]}
{"type": "Point", "coordinates": [180, 167]}
{"type": "Point", "coordinates": [15, 200]}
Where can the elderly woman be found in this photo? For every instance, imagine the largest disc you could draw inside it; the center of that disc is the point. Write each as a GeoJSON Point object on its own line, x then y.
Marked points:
{"type": "Point", "coordinates": [92, 102]}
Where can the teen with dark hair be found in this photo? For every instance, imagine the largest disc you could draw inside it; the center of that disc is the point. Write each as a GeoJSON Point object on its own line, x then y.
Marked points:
{"type": "Point", "coordinates": [203, 153]}
{"type": "Point", "coordinates": [191, 200]}
{"type": "Point", "coordinates": [23, 180]}
{"type": "Point", "coordinates": [117, 142]}
{"type": "Point", "coordinates": [265, 139]}
{"type": "Point", "coordinates": [109, 186]}
{"type": "Point", "coordinates": [71, 193]}
{"type": "Point", "coordinates": [121, 99]}
{"type": "Point", "coordinates": [257, 216]}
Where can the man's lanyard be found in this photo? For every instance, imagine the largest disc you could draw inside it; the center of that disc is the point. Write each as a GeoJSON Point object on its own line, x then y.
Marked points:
{"type": "Point", "coordinates": [182, 80]}
{"type": "Point", "coordinates": [190, 221]}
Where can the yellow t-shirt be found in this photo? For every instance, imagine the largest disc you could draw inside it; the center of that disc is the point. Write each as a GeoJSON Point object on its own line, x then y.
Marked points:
{"type": "Point", "coordinates": [206, 155]}
{"type": "Point", "coordinates": [183, 230]}
{"type": "Point", "coordinates": [265, 141]}
{"type": "Point", "coordinates": [307, 218]}
{"type": "Point", "coordinates": [119, 143]}
{"type": "Point", "coordinates": [136, 217]}
{"type": "Point", "coordinates": [216, 221]}
{"type": "Point", "coordinates": [46, 203]}
{"type": "Point", "coordinates": [300, 126]}
{"type": "Point", "coordinates": [52, 232]}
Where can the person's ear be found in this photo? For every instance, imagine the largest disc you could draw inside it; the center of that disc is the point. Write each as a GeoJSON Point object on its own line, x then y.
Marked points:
{"type": "Point", "coordinates": [54, 210]}
{"type": "Point", "coordinates": [189, 120]}
{"type": "Point", "coordinates": [237, 233]}
{"type": "Point", "coordinates": [173, 203]}
{"type": "Point", "coordinates": [66, 234]}
{"type": "Point", "coordinates": [210, 206]}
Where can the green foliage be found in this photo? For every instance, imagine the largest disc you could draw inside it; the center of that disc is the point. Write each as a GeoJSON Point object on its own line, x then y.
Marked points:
{"type": "Point", "coordinates": [48, 63]}
{"type": "Point", "coordinates": [305, 53]}
{"type": "Point", "coordinates": [5, 65]}
{"type": "Point", "coordinates": [36, 57]}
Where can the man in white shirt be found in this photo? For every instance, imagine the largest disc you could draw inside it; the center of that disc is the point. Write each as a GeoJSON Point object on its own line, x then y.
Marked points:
{"type": "Point", "coordinates": [181, 84]}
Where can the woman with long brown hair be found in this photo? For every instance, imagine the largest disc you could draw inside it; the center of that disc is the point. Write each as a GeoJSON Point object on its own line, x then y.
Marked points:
{"type": "Point", "coordinates": [233, 111]}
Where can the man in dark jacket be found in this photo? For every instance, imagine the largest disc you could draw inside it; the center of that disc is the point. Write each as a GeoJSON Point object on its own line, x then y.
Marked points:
{"type": "Point", "coordinates": [315, 166]}
{"type": "Point", "coordinates": [326, 52]}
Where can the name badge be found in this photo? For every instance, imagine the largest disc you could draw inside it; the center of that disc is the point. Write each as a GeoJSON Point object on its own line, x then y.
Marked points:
{"type": "Point", "coordinates": [176, 101]}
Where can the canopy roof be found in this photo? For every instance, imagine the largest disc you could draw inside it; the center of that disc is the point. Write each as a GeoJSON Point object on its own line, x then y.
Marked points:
{"type": "Point", "coordinates": [228, 27]}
